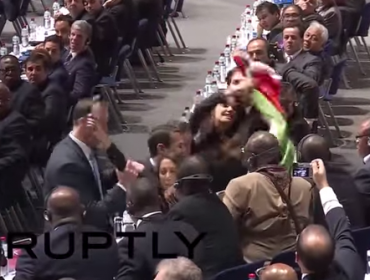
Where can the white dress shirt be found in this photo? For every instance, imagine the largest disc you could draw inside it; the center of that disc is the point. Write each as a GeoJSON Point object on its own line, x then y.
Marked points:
{"type": "Point", "coordinates": [289, 58]}
{"type": "Point", "coordinates": [367, 158]}
{"type": "Point", "coordinates": [146, 216]}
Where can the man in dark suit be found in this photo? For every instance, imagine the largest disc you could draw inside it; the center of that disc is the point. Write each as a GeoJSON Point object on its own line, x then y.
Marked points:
{"type": "Point", "coordinates": [303, 71]}
{"type": "Point", "coordinates": [314, 146]}
{"type": "Point", "coordinates": [25, 98]}
{"type": "Point", "coordinates": [65, 213]}
{"type": "Point", "coordinates": [164, 140]}
{"type": "Point", "coordinates": [14, 136]}
{"type": "Point", "coordinates": [362, 176]}
{"type": "Point", "coordinates": [104, 35]}
{"type": "Point", "coordinates": [58, 73]}
{"type": "Point", "coordinates": [140, 264]}
{"type": "Point", "coordinates": [73, 163]}
{"type": "Point", "coordinates": [202, 209]}
{"type": "Point", "coordinates": [328, 255]}
{"type": "Point", "coordinates": [80, 63]}
{"type": "Point", "coordinates": [76, 9]}
{"type": "Point", "coordinates": [269, 19]}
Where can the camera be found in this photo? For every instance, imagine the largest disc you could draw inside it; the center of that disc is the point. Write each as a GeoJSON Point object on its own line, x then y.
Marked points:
{"type": "Point", "coordinates": [303, 170]}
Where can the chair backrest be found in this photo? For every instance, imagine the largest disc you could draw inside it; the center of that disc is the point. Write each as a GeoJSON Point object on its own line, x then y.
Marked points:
{"type": "Point", "coordinates": [239, 272]}
{"type": "Point", "coordinates": [114, 58]}
{"type": "Point", "coordinates": [362, 241]}
{"type": "Point", "coordinates": [365, 21]}
{"type": "Point", "coordinates": [336, 76]}
{"type": "Point", "coordinates": [142, 31]}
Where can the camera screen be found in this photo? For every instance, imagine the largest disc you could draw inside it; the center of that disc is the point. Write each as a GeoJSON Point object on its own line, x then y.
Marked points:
{"type": "Point", "coordinates": [301, 172]}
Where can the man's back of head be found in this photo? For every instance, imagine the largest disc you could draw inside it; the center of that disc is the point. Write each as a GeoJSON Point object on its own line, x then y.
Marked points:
{"type": "Point", "coordinates": [315, 250]}
{"type": "Point", "coordinates": [312, 147]}
{"type": "Point", "coordinates": [278, 271]}
{"type": "Point", "coordinates": [178, 269]}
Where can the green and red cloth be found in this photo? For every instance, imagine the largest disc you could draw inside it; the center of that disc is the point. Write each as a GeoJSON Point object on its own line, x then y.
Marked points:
{"type": "Point", "coordinates": [266, 101]}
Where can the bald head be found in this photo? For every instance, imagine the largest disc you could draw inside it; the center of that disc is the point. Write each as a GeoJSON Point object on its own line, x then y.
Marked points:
{"type": "Point", "coordinates": [315, 248]}
{"type": "Point", "coordinates": [278, 271]}
{"type": "Point", "coordinates": [264, 145]}
{"type": "Point", "coordinates": [64, 202]}
{"type": "Point", "coordinates": [313, 147]}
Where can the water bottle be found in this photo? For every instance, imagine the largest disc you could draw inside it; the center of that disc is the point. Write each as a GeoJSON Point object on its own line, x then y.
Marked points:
{"type": "Point", "coordinates": [117, 224]}
{"type": "Point", "coordinates": [252, 276]}
{"type": "Point", "coordinates": [187, 113]}
{"type": "Point", "coordinates": [249, 30]}
{"type": "Point", "coordinates": [128, 223]}
{"type": "Point", "coordinates": [209, 80]}
{"type": "Point", "coordinates": [25, 35]}
{"type": "Point", "coordinates": [16, 47]}
{"type": "Point", "coordinates": [227, 55]}
{"type": "Point", "coordinates": [233, 43]}
{"type": "Point", "coordinates": [197, 99]}
{"type": "Point", "coordinates": [228, 40]}
{"type": "Point", "coordinates": [247, 17]}
{"type": "Point", "coordinates": [56, 8]}
{"type": "Point", "coordinates": [222, 68]}
{"type": "Point", "coordinates": [3, 50]}
{"type": "Point", "coordinates": [248, 9]}
{"type": "Point", "coordinates": [255, 5]}
{"type": "Point", "coordinates": [4, 270]}
{"type": "Point", "coordinates": [33, 27]}
{"type": "Point", "coordinates": [214, 88]}
{"type": "Point", "coordinates": [216, 71]}
{"type": "Point", "coordinates": [47, 20]}
{"type": "Point", "coordinates": [237, 34]}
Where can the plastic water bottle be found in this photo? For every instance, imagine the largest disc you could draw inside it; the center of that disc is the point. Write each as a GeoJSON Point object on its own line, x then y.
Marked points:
{"type": "Point", "coordinates": [197, 99]}
{"type": "Point", "coordinates": [4, 246]}
{"type": "Point", "coordinates": [209, 80]}
{"type": "Point", "coordinates": [222, 68]}
{"type": "Point", "coordinates": [216, 71]}
{"type": "Point", "coordinates": [252, 276]}
{"type": "Point", "coordinates": [255, 4]}
{"type": "Point", "coordinates": [249, 30]}
{"type": "Point", "coordinates": [237, 34]}
{"type": "Point", "coordinates": [247, 17]}
{"type": "Point", "coordinates": [128, 223]}
{"type": "Point", "coordinates": [228, 40]}
{"type": "Point", "coordinates": [248, 9]}
{"type": "Point", "coordinates": [227, 55]}
{"type": "Point", "coordinates": [25, 35]}
{"type": "Point", "coordinates": [3, 50]}
{"type": "Point", "coordinates": [214, 87]}
{"type": "Point", "coordinates": [187, 113]}
{"type": "Point", "coordinates": [47, 20]}
{"type": "Point", "coordinates": [16, 47]}
{"type": "Point", "coordinates": [56, 8]}
{"type": "Point", "coordinates": [33, 27]}
{"type": "Point", "coordinates": [233, 43]}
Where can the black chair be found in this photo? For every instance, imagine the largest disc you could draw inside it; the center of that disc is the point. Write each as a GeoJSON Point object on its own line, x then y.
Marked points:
{"type": "Point", "coordinates": [363, 29]}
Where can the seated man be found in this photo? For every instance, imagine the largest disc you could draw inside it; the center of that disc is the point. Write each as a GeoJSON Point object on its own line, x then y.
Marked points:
{"type": "Point", "coordinates": [141, 263]}
{"type": "Point", "coordinates": [62, 25]}
{"type": "Point", "coordinates": [258, 50]}
{"type": "Point", "coordinates": [58, 73]}
{"type": "Point", "coordinates": [339, 177]}
{"type": "Point", "coordinates": [332, 19]}
{"type": "Point", "coordinates": [80, 62]}
{"type": "Point", "coordinates": [268, 15]}
{"type": "Point", "coordinates": [309, 13]}
{"type": "Point", "coordinates": [14, 137]}
{"type": "Point", "coordinates": [303, 71]}
{"type": "Point", "coordinates": [180, 268]}
{"type": "Point", "coordinates": [314, 41]}
{"type": "Point", "coordinates": [65, 212]}
{"type": "Point", "coordinates": [104, 35]}
{"type": "Point", "coordinates": [292, 16]}
{"type": "Point", "coordinates": [76, 9]}
{"type": "Point", "coordinates": [55, 114]}
{"type": "Point", "coordinates": [259, 201]}
{"type": "Point", "coordinates": [25, 98]}
{"type": "Point", "coordinates": [278, 271]}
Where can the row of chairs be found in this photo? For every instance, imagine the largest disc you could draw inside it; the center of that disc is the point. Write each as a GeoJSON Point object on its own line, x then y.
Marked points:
{"type": "Point", "coordinates": [360, 236]}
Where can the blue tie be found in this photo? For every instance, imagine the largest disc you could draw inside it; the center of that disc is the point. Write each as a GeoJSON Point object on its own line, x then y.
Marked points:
{"type": "Point", "coordinates": [95, 169]}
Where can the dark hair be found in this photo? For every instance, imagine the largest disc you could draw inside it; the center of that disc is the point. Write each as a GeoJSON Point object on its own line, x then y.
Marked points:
{"type": "Point", "coordinates": [82, 108]}
{"type": "Point", "coordinates": [66, 18]}
{"type": "Point", "coordinates": [300, 27]}
{"type": "Point", "coordinates": [40, 55]}
{"type": "Point", "coordinates": [181, 125]}
{"type": "Point", "coordinates": [12, 57]}
{"type": "Point", "coordinates": [268, 6]}
{"type": "Point", "coordinates": [175, 161]}
{"type": "Point", "coordinates": [160, 135]}
{"type": "Point", "coordinates": [56, 40]}
{"type": "Point", "coordinates": [260, 39]}
{"type": "Point", "coordinates": [299, 9]}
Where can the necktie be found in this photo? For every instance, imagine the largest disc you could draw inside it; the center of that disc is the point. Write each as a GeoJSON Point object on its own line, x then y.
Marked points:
{"type": "Point", "coordinates": [68, 58]}
{"type": "Point", "coordinates": [95, 170]}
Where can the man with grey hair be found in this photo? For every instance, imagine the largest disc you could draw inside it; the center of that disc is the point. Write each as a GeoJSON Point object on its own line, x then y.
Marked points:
{"type": "Point", "coordinates": [178, 269]}
{"type": "Point", "coordinates": [79, 62]}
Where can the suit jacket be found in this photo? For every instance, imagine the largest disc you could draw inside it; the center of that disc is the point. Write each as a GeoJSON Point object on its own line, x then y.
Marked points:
{"type": "Point", "coordinates": [14, 137]}
{"type": "Point", "coordinates": [82, 75]}
{"type": "Point", "coordinates": [307, 20]}
{"type": "Point", "coordinates": [100, 264]}
{"type": "Point", "coordinates": [59, 75]}
{"type": "Point", "coordinates": [206, 213]}
{"type": "Point", "coordinates": [104, 40]}
{"type": "Point", "coordinates": [362, 182]}
{"type": "Point", "coordinates": [262, 215]}
{"type": "Point", "coordinates": [27, 100]}
{"type": "Point", "coordinates": [347, 264]}
{"type": "Point", "coordinates": [68, 166]}
{"type": "Point", "coordinates": [142, 265]}
{"type": "Point", "coordinates": [332, 21]}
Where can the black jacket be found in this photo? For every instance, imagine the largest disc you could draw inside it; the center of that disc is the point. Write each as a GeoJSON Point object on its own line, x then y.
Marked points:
{"type": "Point", "coordinates": [207, 213]}
{"type": "Point", "coordinates": [99, 265]}
{"type": "Point", "coordinates": [59, 75]}
{"type": "Point", "coordinates": [142, 264]}
{"type": "Point", "coordinates": [362, 181]}
{"type": "Point", "coordinates": [68, 166]}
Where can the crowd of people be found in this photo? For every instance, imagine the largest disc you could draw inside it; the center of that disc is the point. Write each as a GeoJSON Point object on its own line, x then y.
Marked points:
{"type": "Point", "coordinates": [214, 183]}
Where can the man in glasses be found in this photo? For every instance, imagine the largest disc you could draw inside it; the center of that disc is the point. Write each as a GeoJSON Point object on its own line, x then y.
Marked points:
{"type": "Point", "coordinates": [292, 16]}
{"type": "Point", "coordinates": [25, 98]}
{"type": "Point", "coordinates": [14, 135]}
{"type": "Point", "coordinates": [362, 177]}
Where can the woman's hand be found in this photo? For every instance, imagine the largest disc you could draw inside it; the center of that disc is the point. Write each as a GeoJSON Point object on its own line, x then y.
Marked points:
{"type": "Point", "coordinates": [170, 196]}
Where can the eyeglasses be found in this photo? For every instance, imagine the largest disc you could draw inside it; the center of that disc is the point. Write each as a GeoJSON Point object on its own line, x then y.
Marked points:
{"type": "Point", "coordinates": [358, 137]}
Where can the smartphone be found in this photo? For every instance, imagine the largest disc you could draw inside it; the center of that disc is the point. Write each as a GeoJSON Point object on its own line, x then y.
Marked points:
{"type": "Point", "coordinates": [303, 170]}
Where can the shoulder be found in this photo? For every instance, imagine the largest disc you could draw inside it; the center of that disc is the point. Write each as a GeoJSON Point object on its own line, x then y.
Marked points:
{"type": "Point", "coordinates": [247, 178]}
{"type": "Point", "coordinates": [301, 183]}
